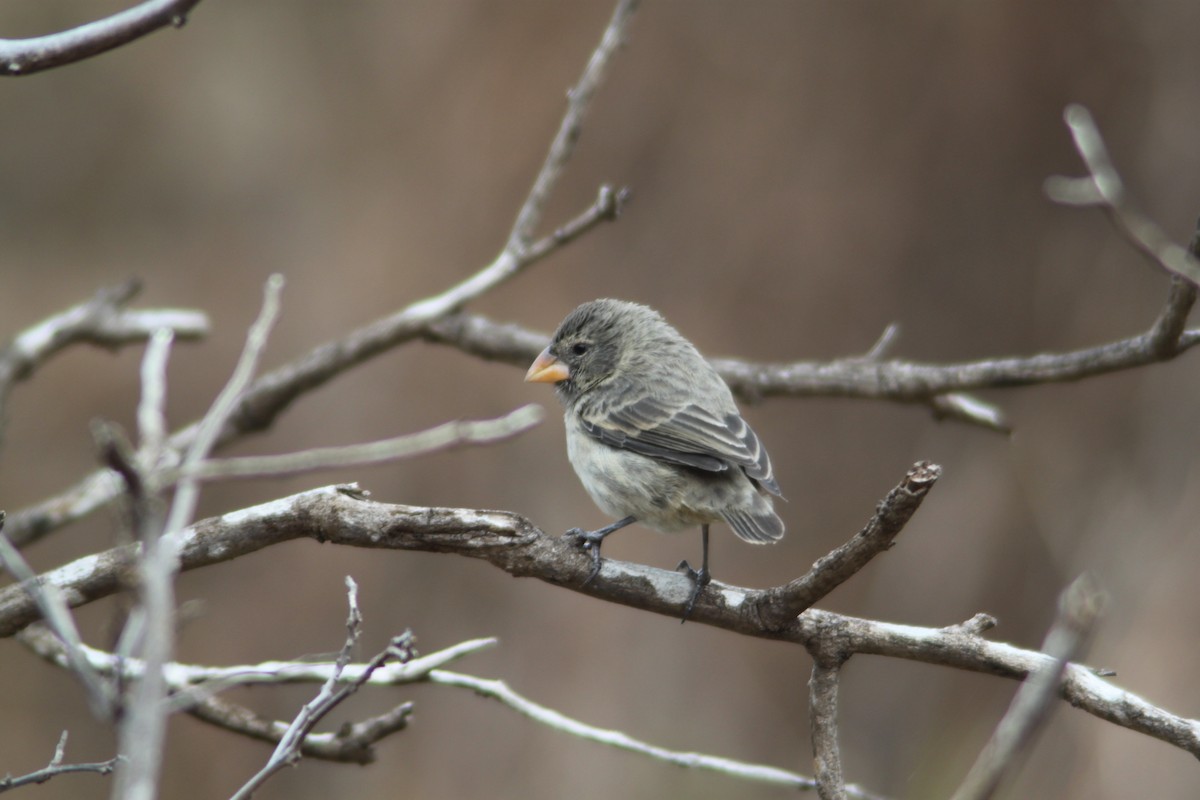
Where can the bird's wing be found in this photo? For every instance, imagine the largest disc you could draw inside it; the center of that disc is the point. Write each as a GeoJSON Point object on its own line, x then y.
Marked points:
{"type": "Point", "coordinates": [689, 435]}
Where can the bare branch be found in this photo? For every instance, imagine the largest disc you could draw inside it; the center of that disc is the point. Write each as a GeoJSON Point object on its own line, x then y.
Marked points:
{"type": "Point", "coordinates": [352, 743]}
{"type": "Point", "coordinates": [47, 598]}
{"type": "Point", "coordinates": [27, 56]}
{"type": "Point", "coordinates": [355, 746]}
{"type": "Point", "coordinates": [823, 704]}
{"type": "Point", "coordinates": [190, 682]}
{"type": "Point", "coordinates": [442, 437]}
{"type": "Point", "coordinates": [274, 392]}
{"type": "Point", "coordinates": [151, 412]}
{"type": "Point", "coordinates": [102, 321]}
{"type": "Point", "coordinates": [579, 98]}
{"type": "Point", "coordinates": [1169, 328]}
{"type": "Point", "coordinates": [897, 381]}
{"type": "Point", "coordinates": [1103, 187]}
{"type": "Point", "coordinates": [340, 515]}
{"type": "Point", "coordinates": [150, 628]}
{"type": "Point", "coordinates": [758, 773]}
{"type": "Point", "coordinates": [289, 749]}
{"type": "Point", "coordinates": [56, 767]}
{"type": "Point", "coordinates": [780, 606]}
{"type": "Point", "coordinates": [207, 432]}
{"type": "Point", "coordinates": [971, 410]}
{"type": "Point", "coordinates": [1079, 608]}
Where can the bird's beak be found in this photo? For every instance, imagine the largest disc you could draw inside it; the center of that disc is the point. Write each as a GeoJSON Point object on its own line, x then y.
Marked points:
{"type": "Point", "coordinates": [547, 369]}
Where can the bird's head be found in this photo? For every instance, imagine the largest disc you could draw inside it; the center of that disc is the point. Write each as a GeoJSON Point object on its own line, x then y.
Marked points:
{"type": "Point", "coordinates": [589, 346]}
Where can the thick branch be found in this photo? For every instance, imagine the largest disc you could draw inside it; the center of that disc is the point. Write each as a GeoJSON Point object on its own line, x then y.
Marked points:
{"type": "Point", "coordinates": [340, 515]}
{"type": "Point", "coordinates": [27, 56]}
{"type": "Point", "coordinates": [823, 704]}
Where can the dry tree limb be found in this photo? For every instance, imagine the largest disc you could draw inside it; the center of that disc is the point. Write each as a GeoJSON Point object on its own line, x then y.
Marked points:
{"type": "Point", "coordinates": [195, 683]}
{"type": "Point", "coordinates": [53, 608]}
{"type": "Point", "coordinates": [1078, 609]}
{"type": "Point", "coordinates": [291, 742]}
{"type": "Point", "coordinates": [758, 773]}
{"type": "Point", "coordinates": [192, 683]}
{"type": "Point", "coordinates": [274, 392]}
{"type": "Point", "coordinates": [353, 743]}
{"type": "Point", "coordinates": [785, 603]}
{"type": "Point", "coordinates": [340, 515]}
{"type": "Point", "coordinates": [1103, 187]}
{"type": "Point", "coordinates": [56, 767]}
{"type": "Point", "coordinates": [823, 703]}
{"type": "Point", "coordinates": [855, 377]}
{"type": "Point", "coordinates": [103, 321]}
{"type": "Point", "coordinates": [149, 631]}
{"type": "Point", "coordinates": [412, 445]}
{"type": "Point", "coordinates": [27, 56]}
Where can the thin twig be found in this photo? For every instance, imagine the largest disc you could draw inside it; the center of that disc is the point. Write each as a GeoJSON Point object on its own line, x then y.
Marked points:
{"type": "Point", "coordinates": [1171, 324]}
{"type": "Point", "coordinates": [1103, 187]}
{"type": "Point", "coordinates": [758, 773]}
{"type": "Point", "coordinates": [1079, 608]}
{"type": "Point", "coordinates": [56, 767]}
{"type": "Point", "coordinates": [428, 668]}
{"type": "Point", "coordinates": [352, 743]}
{"type": "Point", "coordinates": [191, 681]}
{"type": "Point", "coordinates": [442, 437]}
{"type": "Point", "coordinates": [288, 751]}
{"type": "Point", "coordinates": [187, 492]}
{"type": "Point", "coordinates": [103, 321]}
{"type": "Point", "coordinates": [579, 99]}
{"type": "Point", "coordinates": [143, 727]}
{"type": "Point", "coordinates": [151, 412]}
{"type": "Point", "coordinates": [782, 605]}
{"type": "Point", "coordinates": [53, 608]}
{"type": "Point", "coordinates": [27, 56]}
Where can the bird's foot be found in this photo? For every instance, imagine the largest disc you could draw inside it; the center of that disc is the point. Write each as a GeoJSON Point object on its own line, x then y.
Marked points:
{"type": "Point", "coordinates": [590, 541]}
{"type": "Point", "coordinates": [700, 579]}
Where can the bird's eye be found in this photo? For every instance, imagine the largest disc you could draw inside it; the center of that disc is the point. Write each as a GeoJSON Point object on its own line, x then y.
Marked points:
{"type": "Point", "coordinates": [579, 348]}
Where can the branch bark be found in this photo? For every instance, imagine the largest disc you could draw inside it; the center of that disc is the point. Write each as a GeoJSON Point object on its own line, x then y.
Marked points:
{"type": "Point", "coordinates": [274, 392]}
{"type": "Point", "coordinates": [340, 515]}
{"type": "Point", "coordinates": [103, 321]}
{"type": "Point", "coordinates": [823, 704]}
{"type": "Point", "coordinates": [27, 56]}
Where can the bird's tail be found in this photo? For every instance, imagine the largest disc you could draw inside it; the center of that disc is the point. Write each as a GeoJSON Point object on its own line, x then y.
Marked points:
{"type": "Point", "coordinates": [757, 525]}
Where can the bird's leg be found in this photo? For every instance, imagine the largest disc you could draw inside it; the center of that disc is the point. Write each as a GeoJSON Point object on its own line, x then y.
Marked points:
{"type": "Point", "coordinates": [699, 577]}
{"type": "Point", "coordinates": [591, 540]}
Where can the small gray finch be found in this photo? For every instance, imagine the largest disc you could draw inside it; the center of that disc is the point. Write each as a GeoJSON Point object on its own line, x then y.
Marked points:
{"type": "Point", "coordinates": [653, 432]}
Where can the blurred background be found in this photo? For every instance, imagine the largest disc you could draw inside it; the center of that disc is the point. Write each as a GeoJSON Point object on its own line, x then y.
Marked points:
{"type": "Point", "coordinates": [803, 174]}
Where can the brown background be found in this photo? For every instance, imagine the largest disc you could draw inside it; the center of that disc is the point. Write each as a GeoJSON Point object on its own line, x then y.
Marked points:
{"type": "Point", "coordinates": [804, 174]}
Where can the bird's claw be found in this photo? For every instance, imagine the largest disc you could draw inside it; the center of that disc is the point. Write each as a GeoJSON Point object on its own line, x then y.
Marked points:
{"type": "Point", "coordinates": [700, 578]}
{"type": "Point", "coordinates": [590, 542]}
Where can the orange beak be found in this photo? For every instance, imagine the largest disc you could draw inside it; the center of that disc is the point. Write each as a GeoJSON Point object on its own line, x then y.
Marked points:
{"type": "Point", "coordinates": [547, 369]}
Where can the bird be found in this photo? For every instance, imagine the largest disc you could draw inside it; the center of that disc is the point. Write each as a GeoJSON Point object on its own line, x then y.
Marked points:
{"type": "Point", "coordinates": [653, 432]}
